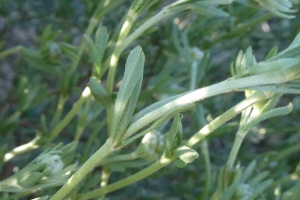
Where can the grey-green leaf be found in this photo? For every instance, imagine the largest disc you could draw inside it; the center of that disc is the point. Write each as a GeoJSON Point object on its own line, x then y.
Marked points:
{"type": "Point", "coordinates": [100, 93]}
{"type": "Point", "coordinates": [128, 94]}
{"type": "Point", "coordinates": [186, 154]}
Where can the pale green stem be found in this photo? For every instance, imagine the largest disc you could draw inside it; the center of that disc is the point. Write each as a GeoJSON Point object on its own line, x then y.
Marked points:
{"type": "Point", "coordinates": [236, 147]}
{"type": "Point", "coordinates": [78, 133]}
{"type": "Point", "coordinates": [81, 123]}
{"type": "Point", "coordinates": [87, 167]}
{"type": "Point", "coordinates": [149, 23]}
{"type": "Point", "coordinates": [205, 153]}
{"type": "Point", "coordinates": [10, 51]}
{"type": "Point", "coordinates": [22, 149]}
{"type": "Point", "coordinates": [115, 58]}
{"type": "Point", "coordinates": [203, 144]}
{"type": "Point", "coordinates": [193, 141]}
{"type": "Point", "coordinates": [117, 51]}
{"type": "Point", "coordinates": [216, 123]}
{"type": "Point", "coordinates": [61, 102]}
{"type": "Point", "coordinates": [76, 106]}
{"type": "Point", "coordinates": [129, 180]}
{"type": "Point", "coordinates": [104, 180]}
{"type": "Point", "coordinates": [226, 86]}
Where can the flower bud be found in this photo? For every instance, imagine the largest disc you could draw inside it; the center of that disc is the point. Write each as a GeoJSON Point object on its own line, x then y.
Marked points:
{"type": "Point", "coordinates": [53, 163]}
{"type": "Point", "coordinates": [151, 146]}
{"type": "Point", "coordinates": [51, 52]}
{"type": "Point", "coordinates": [196, 53]}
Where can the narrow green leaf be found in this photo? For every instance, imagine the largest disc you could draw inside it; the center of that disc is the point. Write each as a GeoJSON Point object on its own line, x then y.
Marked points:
{"type": "Point", "coordinates": [140, 6]}
{"type": "Point", "coordinates": [170, 139]}
{"type": "Point", "coordinates": [128, 94]}
{"type": "Point", "coordinates": [264, 67]}
{"type": "Point", "coordinates": [248, 172]}
{"type": "Point", "coordinates": [91, 48]}
{"type": "Point", "coordinates": [100, 93]}
{"type": "Point", "coordinates": [101, 40]}
{"type": "Point", "coordinates": [186, 154]}
{"type": "Point", "coordinates": [46, 34]}
{"type": "Point", "coordinates": [31, 179]}
{"type": "Point", "coordinates": [203, 9]}
{"type": "Point", "coordinates": [272, 53]}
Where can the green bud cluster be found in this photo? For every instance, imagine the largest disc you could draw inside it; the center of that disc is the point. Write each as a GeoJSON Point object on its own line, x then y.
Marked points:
{"type": "Point", "coordinates": [54, 164]}
{"type": "Point", "coordinates": [51, 52]}
{"type": "Point", "coordinates": [151, 147]}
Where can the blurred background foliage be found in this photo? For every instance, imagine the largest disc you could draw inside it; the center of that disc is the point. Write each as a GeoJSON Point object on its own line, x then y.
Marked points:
{"type": "Point", "coordinates": [33, 94]}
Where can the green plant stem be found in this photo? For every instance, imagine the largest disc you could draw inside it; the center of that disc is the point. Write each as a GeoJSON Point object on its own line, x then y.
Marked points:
{"type": "Point", "coordinates": [149, 23]}
{"type": "Point", "coordinates": [117, 51]}
{"type": "Point", "coordinates": [199, 136]}
{"type": "Point", "coordinates": [129, 180]}
{"type": "Point", "coordinates": [240, 29]}
{"type": "Point", "coordinates": [205, 153]}
{"type": "Point", "coordinates": [115, 58]}
{"type": "Point", "coordinates": [216, 123]}
{"type": "Point", "coordinates": [88, 166]}
{"type": "Point", "coordinates": [59, 127]}
{"type": "Point", "coordinates": [61, 102]}
{"type": "Point", "coordinates": [104, 180]}
{"type": "Point", "coordinates": [22, 149]}
{"type": "Point", "coordinates": [226, 86]}
{"type": "Point", "coordinates": [10, 51]}
{"type": "Point", "coordinates": [235, 148]}
{"type": "Point", "coordinates": [203, 144]}
{"type": "Point", "coordinates": [163, 14]}
{"type": "Point", "coordinates": [82, 121]}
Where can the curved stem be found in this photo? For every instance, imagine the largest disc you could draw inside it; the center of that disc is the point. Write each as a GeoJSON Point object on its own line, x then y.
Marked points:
{"type": "Point", "coordinates": [116, 53]}
{"type": "Point", "coordinates": [205, 153]}
{"type": "Point", "coordinates": [104, 180]}
{"type": "Point", "coordinates": [22, 149]}
{"type": "Point", "coordinates": [235, 148]}
{"type": "Point", "coordinates": [82, 121]}
{"type": "Point", "coordinates": [59, 127]}
{"type": "Point", "coordinates": [61, 102]}
{"type": "Point", "coordinates": [149, 23]}
{"type": "Point", "coordinates": [216, 123]}
{"type": "Point", "coordinates": [129, 180]}
{"type": "Point", "coordinates": [189, 98]}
